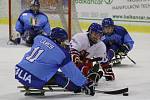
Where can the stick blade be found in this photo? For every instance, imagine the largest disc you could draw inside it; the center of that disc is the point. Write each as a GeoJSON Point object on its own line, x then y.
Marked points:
{"type": "Point", "coordinates": [119, 91]}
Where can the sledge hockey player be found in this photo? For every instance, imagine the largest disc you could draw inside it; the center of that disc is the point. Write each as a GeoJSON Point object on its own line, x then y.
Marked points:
{"type": "Point", "coordinates": [42, 62]}
{"type": "Point", "coordinates": [84, 47]}
{"type": "Point", "coordinates": [31, 23]}
{"type": "Point", "coordinates": [116, 38]}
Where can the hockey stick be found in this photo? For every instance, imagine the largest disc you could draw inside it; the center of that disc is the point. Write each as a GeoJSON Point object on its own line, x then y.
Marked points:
{"type": "Point", "coordinates": [97, 59]}
{"type": "Point", "coordinates": [131, 60]}
{"type": "Point", "coordinates": [128, 58]}
{"type": "Point", "coordinates": [112, 92]}
{"type": "Point", "coordinates": [116, 59]}
{"type": "Point", "coordinates": [11, 42]}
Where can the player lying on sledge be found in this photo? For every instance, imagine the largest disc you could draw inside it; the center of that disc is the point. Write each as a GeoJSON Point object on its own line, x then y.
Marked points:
{"type": "Point", "coordinates": [46, 56]}
{"type": "Point", "coordinates": [84, 47]}
{"type": "Point", "coordinates": [31, 23]}
{"type": "Point", "coordinates": [117, 40]}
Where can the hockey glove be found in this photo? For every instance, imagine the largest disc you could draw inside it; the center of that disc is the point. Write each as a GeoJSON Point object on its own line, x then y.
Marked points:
{"type": "Point", "coordinates": [123, 50]}
{"type": "Point", "coordinates": [76, 59]}
{"type": "Point", "coordinates": [89, 88]}
{"type": "Point", "coordinates": [75, 56]}
{"type": "Point", "coordinates": [16, 41]}
{"type": "Point", "coordinates": [108, 73]}
{"type": "Point", "coordinates": [94, 74]}
{"type": "Point", "coordinates": [16, 38]}
{"type": "Point", "coordinates": [83, 54]}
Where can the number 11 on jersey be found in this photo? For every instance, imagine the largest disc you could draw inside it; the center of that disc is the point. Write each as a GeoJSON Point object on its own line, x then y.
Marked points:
{"type": "Point", "coordinates": [34, 54]}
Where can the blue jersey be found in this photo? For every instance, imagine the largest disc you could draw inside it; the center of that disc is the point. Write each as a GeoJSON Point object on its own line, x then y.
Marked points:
{"type": "Point", "coordinates": [43, 61]}
{"type": "Point", "coordinates": [119, 36]}
{"type": "Point", "coordinates": [28, 20]}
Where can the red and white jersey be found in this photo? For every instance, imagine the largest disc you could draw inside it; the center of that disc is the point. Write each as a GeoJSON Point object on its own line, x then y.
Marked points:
{"type": "Point", "coordinates": [81, 42]}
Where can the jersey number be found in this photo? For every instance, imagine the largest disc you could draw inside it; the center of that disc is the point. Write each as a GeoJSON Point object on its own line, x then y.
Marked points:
{"type": "Point", "coordinates": [35, 54]}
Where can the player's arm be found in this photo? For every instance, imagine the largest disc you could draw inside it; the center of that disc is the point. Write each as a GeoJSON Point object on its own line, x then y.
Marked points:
{"type": "Point", "coordinates": [47, 27]}
{"type": "Point", "coordinates": [128, 41]}
{"type": "Point", "coordinates": [75, 51]}
{"type": "Point", "coordinates": [19, 31]}
{"type": "Point", "coordinates": [19, 25]}
{"type": "Point", "coordinates": [75, 75]}
{"type": "Point", "coordinates": [127, 44]}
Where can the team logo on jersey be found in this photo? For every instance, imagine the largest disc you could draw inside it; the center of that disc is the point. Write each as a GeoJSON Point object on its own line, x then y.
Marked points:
{"type": "Point", "coordinates": [23, 75]}
{"type": "Point", "coordinates": [33, 21]}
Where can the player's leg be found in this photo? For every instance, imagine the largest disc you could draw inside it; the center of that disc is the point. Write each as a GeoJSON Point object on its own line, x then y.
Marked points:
{"type": "Point", "coordinates": [62, 81]}
{"type": "Point", "coordinates": [111, 52]}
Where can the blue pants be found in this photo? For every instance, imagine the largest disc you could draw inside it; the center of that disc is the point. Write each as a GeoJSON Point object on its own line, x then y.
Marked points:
{"type": "Point", "coordinates": [62, 81]}
{"type": "Point", "coordinates": [111, 51]}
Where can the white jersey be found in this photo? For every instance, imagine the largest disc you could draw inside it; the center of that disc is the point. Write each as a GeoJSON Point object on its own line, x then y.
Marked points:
{"type": "Point", "coordinates": [81, 42]}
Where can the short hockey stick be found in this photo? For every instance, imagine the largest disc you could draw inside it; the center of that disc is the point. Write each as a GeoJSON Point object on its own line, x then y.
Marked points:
{"type": "Point", "coordinates": [131, 60]}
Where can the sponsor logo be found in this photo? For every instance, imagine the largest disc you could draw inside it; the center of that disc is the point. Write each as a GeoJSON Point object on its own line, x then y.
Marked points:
{"type": "Point", "coordinates": [23, 75]}
{"type": "Point", "coordinates": [93, 1]}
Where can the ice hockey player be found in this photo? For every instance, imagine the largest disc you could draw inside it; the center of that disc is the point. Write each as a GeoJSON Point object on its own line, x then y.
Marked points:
{"type": "Point", "coordinates": [116, 39]}
{"type": "Point", "coordinates": [88, 45]}
{"type": "Point", "coordinates": [31, 23]}
{"type": "Point", "coordinates": [42, 62]}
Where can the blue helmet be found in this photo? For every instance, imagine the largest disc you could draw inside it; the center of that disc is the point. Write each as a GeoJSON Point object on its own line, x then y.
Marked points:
{"type": "Point", "coordinates": [35, 2]}
{"type": "Point", "coordinates": [95, 27]}
{"type": "Point", "coordinates": [107, 22]}
{"type": "Point", "coordinates": [59, 34]}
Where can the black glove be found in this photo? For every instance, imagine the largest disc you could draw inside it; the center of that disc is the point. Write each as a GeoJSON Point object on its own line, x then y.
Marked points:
{"type": "Point", "coordinates": [28, 36]}
{"type": "Point", "coordinates": [94, 73]}
{"type": "Point", "coordinates": [17, 40]}
{"type": "Point", "coordinates": [83, 54]}
{"type": "Point", "coordinates": [95, 76]}
{"type": "Point", "coordinates": [123, 50]}
{"type": "Point", "coordinates": [89, 88]}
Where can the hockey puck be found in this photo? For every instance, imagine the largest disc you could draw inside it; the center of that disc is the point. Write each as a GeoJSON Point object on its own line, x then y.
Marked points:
{"type": "Point", "coordinates": [125, 94]}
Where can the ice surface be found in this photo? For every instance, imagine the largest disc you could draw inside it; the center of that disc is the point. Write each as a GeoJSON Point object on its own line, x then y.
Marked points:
{"type": "Point", "coordinates": [136, 77]}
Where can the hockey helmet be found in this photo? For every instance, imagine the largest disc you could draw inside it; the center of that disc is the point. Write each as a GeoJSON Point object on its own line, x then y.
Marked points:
{"type": "Point", "coordinates": [95, 27]}
{"type": "Point", "coordinates": [107, 22]}
{"type": "Point", "coordinates": [59, 34]}
{"type": "Point", "coordinates": [35, 6]}
{"type": "Point", "coordinates": [35, 2]}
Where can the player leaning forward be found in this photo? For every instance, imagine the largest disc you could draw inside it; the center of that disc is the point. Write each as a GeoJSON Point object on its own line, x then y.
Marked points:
{"type": "Point", "coordinates": [31, 23]}
{"type": "Point", "coordinates": [88, 45]}
{"type": "Point", "coordinates": [42, 62]}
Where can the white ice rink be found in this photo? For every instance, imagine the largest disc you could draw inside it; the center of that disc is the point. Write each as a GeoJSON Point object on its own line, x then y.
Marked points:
{"type": "Point", "coordinates": [135, 77]}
